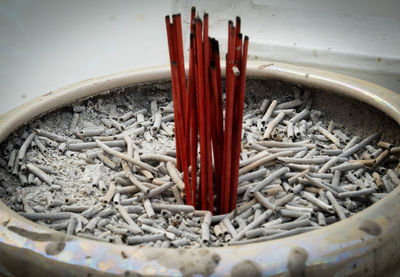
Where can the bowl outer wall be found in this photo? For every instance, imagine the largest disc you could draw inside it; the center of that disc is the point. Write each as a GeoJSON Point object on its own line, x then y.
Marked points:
{"type": "Point", "coordinates": [365, 244]}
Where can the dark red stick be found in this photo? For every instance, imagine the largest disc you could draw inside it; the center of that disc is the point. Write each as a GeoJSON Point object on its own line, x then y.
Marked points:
{"type": "Point", "coordinates": [196, 75]}
{"type": "Point", "coordinates": [214, 125]}
{"type": "Point", "coordinates": [208, 110]}
{"type": "Point", "coordinates": [181, 64]}
{"type": "Point", "coordinates": [171, 47]}
{"type": "Point", "coordinates": [240, 108]}
{"type": "Point", "coordinates": [220, 119]}
{"type": "Point", "coordinates": [191, 49]}
{"type": "Point", "coordinates": [177, 94]}
{"type": "Point", "coordinates": [181, 96]}
{"type": "Point", "coordinates": [178, 121]}
{"type": "Point", "coordinates": [193, 119]}
{"type": "Point", "coordinates": [218, 130]}
{"type": "Point", "coordinates": [201, 114]}
{"type": "Point", "coordinates": [216, 140]}
{"type": "Point", "coordinates": [236, 129]}
{"type": "Point", "coordinates": [184, 95]}
{"type": "Point", "coordinates": [230, 96]}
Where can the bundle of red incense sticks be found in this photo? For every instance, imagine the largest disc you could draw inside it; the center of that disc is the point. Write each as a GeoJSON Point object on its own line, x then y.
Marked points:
{"type": "Point", "coordinates": [198, 112]}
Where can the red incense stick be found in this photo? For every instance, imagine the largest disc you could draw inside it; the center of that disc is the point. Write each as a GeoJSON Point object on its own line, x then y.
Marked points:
{"type": "Point", "coordinates": [230, 95]}
{"type": "Point", "coordinates": [180, 62]}
{"type": "Point", "coordinates": [193, 119]}
{"type": "Point", "coordinates": [208, 110]}
{"type": "Point", "coordinates": [239, 118]}
{"type": "Point", "coordinates": [217, 134]}
{"type": "Point", "coordinates": [182, 140]}
{"type": "Point", "coordinates": [198, 111]}
{"type": "Point", "coordinates": [171, 47]}
{"type": "Point", "coordinates": [201, 114]}
{"type": "Point", "coordinates": [177, 100]}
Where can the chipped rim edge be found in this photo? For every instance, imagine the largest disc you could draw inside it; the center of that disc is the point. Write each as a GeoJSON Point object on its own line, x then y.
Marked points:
{"type": "Point", "coordinates": [364, 243]}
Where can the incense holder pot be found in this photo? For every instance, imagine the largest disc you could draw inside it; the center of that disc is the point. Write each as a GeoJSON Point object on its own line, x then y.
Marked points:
{"type": "Point", "coordinates": [365, 244]}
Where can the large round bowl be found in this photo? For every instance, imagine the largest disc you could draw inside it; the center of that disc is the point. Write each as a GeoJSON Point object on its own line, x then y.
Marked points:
{"type": "Point", "coordinates": [366, 244]}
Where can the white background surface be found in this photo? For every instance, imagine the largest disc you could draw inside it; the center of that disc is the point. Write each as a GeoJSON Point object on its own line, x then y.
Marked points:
{"type": "Point", "coordinates": [47, 44]}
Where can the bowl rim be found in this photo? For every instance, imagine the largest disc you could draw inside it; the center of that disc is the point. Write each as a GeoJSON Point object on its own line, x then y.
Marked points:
{"type": "Point", "coordinates": [366, 241]}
